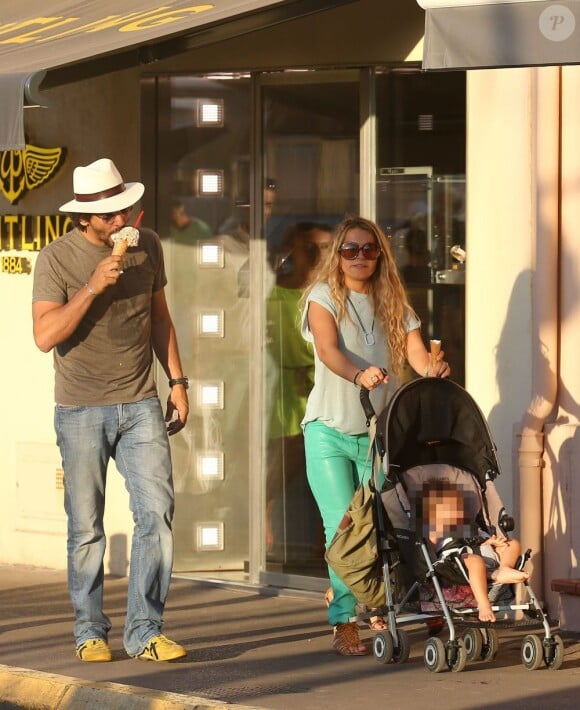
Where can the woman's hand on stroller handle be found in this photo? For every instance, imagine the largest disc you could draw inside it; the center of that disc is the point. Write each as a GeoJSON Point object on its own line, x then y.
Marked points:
{"type": "Point", "coordinates": [371, 378]}
{"type": "Point", "coordinates": [365, 398]}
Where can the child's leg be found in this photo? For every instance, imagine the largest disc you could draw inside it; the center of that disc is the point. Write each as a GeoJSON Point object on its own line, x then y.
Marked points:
{"type": "Point", "coordinates": [477, 573]}
{"type": "Point", "coordinates": [507, 553]}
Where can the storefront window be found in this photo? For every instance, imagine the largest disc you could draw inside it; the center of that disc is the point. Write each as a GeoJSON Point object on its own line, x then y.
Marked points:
{"type": "Point", "coordinates": [253, 174]}
{"type": "Point", "coordinates": [203, 208]}
{"type": "Point", "coordinates": [311, 129]}
{"type": "Point", "coordinates": [421, 196]}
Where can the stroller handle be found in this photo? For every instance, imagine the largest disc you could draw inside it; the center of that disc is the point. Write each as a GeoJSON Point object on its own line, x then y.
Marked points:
{"type": "Point", "coordinates": [365, 400]}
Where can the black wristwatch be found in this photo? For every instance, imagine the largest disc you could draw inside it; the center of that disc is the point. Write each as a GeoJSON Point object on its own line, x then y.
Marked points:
{"type": "Point", "coordinates": [179, 381]}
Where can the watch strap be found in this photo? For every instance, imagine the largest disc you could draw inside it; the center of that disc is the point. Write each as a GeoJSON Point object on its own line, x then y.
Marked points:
{"type": "Point", "coordinates": [179, 381]}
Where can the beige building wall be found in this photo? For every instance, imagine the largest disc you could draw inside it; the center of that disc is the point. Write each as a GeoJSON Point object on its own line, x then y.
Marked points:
{"type": "Point", "coordinates": [101, 118]}
{"type": "Point", "coordinates": [499, 247]}
{"type": "Point", "coordinates": [523, 309]}
{"type": "Point", "coordinates": [561, 490]}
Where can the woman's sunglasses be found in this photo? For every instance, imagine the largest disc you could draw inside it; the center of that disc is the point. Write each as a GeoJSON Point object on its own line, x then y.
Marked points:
{"type": "Point", "coordinates": [350, 250]}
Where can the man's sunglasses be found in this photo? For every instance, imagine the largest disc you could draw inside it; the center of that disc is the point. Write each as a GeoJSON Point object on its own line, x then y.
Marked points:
{"type": "Point", "coordinates": [110, 216]}
{"type": "Point", "coordinates": [350, 250]}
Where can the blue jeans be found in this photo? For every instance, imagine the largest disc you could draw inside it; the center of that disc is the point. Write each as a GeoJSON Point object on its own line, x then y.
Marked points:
{"type": "Point", "coordinates": [135, 436]}
{"type": "Point", "coordinates": [335, 464]}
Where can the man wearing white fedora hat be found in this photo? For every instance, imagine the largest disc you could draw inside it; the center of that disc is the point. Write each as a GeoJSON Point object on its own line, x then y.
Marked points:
{"type": "Point", "coordinates": [104, 316]}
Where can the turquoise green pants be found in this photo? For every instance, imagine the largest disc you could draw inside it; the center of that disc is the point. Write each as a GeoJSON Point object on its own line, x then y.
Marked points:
{"type": "Point", "coordinates": [335, 464]}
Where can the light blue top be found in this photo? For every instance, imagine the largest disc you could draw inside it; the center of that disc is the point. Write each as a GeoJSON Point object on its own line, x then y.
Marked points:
{"type": "Point", "coordinates": [334, 400]}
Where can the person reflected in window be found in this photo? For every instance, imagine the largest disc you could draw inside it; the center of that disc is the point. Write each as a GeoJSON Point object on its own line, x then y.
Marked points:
{"type": "Point", "coordinates": [358, 317]}
{"type": "Point", "coordinates": [292, 362]}
{"type": "Point", "coordinates": [186, 229]}
{"type": "Point", "coordinates": [237, 226]}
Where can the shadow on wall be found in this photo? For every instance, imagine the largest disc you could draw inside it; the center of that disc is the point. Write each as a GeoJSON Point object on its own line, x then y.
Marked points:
{"type": "Point", "coordinates": [562, 440]}
{"type": "Point", "coordinates": [561, 494]}
{"type": "Point", "coordinates": [506, 417]}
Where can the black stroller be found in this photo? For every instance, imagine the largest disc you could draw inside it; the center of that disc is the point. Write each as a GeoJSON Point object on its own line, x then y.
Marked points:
{"type": "Point", "coordinates": [433, 425]}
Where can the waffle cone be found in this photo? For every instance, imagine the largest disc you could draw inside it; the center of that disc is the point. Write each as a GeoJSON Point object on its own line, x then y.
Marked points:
{"type": "Point", "coordinates": [435, 350]}
{"type": "Point", "coordinates": [120, 247]}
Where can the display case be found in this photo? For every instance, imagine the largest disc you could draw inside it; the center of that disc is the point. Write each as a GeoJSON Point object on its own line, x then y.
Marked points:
{"type": "Point", "coordinates": [423, 214]}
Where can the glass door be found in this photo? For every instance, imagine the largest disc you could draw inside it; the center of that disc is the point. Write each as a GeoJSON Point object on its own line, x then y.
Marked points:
{"type": "Point", "coordinates": [311, 152]}
{"type": "Point", "coordinates": [203, 206]}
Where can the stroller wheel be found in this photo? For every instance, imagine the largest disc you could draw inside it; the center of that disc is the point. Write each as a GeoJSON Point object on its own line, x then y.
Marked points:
{"type": "Point", "coordinates": [555, 654]}
{"type": "Point", "coordinates": [457, 656]}
{"type": "Point", "coordinates": [383, 647]}
{"type": "Point", "coordinates": [434, 655]}
{"type": "Point", "coordinates": [473, 642]}
{"type": "Point", "coordinates": [490, 644]}
{"type": "Point", "coordinates": [532, 652]}
{"type": "Point", "coordinates": [403, 650]}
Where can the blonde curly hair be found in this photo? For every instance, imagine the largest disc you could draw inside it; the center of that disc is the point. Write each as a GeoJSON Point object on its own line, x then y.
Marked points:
{"type": "Point", "coordinates": [385, 288]}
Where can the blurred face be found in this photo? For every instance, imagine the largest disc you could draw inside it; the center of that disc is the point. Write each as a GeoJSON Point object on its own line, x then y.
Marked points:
{"type": "Point", "coordinates": [359, 255]}
{"type": "Point", "coordinates": [446, 512]}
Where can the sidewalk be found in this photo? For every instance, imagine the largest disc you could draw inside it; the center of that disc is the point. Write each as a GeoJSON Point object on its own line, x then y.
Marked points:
{"type": "Point", "coordinates": [245, 649]}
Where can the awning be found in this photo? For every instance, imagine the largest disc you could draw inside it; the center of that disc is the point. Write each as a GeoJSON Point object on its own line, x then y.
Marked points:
{"type": "Point", "coordinates": [472, 34]}
{"type": "Point", "coordinates": [36, 35]}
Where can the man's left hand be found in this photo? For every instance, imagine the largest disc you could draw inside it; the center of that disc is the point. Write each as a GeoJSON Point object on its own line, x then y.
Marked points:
{"type": "Point", "coordinates": [177, 403]}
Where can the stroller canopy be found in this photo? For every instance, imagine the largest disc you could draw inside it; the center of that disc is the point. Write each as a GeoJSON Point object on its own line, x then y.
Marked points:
{"type": "Point", "coordinates": [433, 420]}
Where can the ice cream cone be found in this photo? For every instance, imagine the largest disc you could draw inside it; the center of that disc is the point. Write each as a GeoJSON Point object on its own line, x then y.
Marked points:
{"type": "Point", "coordinates": [123, 239]}
{"type": "Point", "coordinates": [435, 350]}
{"type": "Point", "coordinates": [120, 247]}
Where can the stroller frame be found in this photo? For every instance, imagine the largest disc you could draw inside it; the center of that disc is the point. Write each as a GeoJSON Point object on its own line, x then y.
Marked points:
{"type": "Point", "coordinates": [479, 641]}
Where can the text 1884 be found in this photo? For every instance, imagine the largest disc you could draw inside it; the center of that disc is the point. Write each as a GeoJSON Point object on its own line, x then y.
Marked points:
{"type": "Point", "coordinates": [15, 265]}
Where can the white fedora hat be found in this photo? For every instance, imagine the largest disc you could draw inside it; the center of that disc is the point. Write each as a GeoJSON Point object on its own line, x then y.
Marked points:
{"type": "Point", "coordinates": [99, 188]}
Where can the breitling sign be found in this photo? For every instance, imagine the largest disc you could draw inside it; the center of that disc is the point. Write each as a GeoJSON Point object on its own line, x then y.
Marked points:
{"type": "Point", "coordinates": [24, 170]}
{"type": "Point", "coordinates": [20, 172]}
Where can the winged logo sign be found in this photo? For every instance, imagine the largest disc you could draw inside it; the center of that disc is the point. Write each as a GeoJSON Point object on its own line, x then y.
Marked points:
{"type": "Point", "coordinates": [24, 170]}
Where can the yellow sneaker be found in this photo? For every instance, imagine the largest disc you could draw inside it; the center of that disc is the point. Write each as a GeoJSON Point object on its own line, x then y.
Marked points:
{"type": "Point", "coordinates": [94, 651]}
{"type": "Point", "coordinates": [160, 648]}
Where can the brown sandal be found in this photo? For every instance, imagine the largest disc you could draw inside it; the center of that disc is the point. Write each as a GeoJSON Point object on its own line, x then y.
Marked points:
{"type": "Point", "coordinates": [377, 623]}
{"type": "Point", "coordinates": [346, 640]}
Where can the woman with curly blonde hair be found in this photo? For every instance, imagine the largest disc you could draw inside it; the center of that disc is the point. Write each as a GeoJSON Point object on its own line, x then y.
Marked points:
{"type": "Point", "coordinates": [357, 315]}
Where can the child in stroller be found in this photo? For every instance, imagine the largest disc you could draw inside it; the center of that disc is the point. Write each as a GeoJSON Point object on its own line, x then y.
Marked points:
{"type": "Point", "coordinates": [433, 429]}
{"type": "Point", "coordinates": [481, 559]}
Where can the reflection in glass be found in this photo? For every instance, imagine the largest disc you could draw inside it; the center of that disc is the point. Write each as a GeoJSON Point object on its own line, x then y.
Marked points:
{"type": "Point", "coordinates": [421, 196]}
{"type": "Point", "coordinates": [204, 180]}
{"type": "Point", "coordinates": [311, 150]}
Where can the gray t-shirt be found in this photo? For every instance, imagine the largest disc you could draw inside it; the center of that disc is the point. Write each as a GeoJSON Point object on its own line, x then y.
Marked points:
{"type": "Point", "coordinates": [334, 400]}
{"type": "Point", "coordinates": [109, 357]}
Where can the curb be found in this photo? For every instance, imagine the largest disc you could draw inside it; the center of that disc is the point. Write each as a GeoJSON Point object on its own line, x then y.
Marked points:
{"type": "Point", "coordinates": [36, 690]}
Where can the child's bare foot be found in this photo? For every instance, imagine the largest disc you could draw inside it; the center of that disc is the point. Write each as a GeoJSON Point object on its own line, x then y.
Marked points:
{"type": "Point", "coordinates": [507, 575]}
{"type": "Point", "coordinates": [486, 612]}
